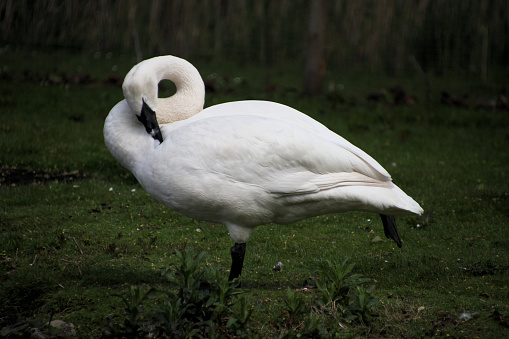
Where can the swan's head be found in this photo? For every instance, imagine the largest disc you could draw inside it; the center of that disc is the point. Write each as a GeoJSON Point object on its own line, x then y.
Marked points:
{"type": "Point", "coordinates": [140, 88]}
{"type": "Point", "coordinates": [140, 92]}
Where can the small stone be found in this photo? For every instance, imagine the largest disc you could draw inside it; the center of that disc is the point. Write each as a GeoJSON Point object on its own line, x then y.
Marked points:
{"type": "Point", "coordinates": [16, 328]}
{"type": "Point", "coordinates": [465, 316]}
{"type": "Point", "coordinates": [278, 267]}
{"type": "Point", "coordinates": [36, 333]}
{"type": "Point", "coordinates": [66, 329]}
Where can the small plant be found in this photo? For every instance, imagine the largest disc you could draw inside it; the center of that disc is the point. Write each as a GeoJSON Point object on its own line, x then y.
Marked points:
{"type": "Point", "coordinates": [363, 304]}
{"type": "Point", "coordinates": [133, 323]}
{"type": "Point", "coordinates": [202, 303]}
{"type": "Point", "coordinates": [295, 305]}
{"type": "Point", "coordinates": [346, 292]}
{"type": "Point", "coordinates": [300, 321]}
{"type": "Point", "coordinates": [238, 322]}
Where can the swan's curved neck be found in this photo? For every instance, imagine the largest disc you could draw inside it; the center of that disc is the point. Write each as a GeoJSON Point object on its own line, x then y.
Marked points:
{"type": "Point", "coordinates": [142, 83]}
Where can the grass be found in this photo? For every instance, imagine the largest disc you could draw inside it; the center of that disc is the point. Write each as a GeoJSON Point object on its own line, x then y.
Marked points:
{"type": "Point", "coordinates": [85, 230]}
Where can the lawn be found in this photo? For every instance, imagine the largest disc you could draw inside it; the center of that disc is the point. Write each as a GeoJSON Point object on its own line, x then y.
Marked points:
{"type": "Point", "coordinates": [76, 228]}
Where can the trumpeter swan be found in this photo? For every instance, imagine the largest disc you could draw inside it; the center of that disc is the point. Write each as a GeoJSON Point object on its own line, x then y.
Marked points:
{"type": "Point", "coordinates": [244, 163]}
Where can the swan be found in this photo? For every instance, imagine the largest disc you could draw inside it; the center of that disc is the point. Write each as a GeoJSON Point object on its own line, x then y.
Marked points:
{"type": "Point", "coordinates": [243, 163]}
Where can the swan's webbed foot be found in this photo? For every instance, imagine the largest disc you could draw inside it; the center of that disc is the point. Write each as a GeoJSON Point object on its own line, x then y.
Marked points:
{"type": "Point", "coordinates": [390, 228]}
{"type": "Point", "coordinates": [149, 120]}
{"type": "Point", "coordinates": [238, 252]}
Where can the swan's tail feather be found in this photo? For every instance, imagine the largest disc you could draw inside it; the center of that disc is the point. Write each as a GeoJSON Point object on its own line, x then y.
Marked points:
{"type": "Point", "coordinates": [390, 228]}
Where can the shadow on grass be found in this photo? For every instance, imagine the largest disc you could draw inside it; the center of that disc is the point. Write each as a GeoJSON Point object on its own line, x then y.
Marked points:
{"type": "Point", "coordinates": [112, 276]}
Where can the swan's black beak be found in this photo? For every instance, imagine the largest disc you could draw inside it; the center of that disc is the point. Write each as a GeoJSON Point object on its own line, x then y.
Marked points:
{"type": "Point", "coordinates": [149, 120]}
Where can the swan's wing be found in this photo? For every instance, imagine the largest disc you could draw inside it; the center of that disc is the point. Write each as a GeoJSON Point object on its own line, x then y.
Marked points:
{"type": "Point", "coordinates": [281, 157]}
{"type": "Point", "coordinates": [292, 116]}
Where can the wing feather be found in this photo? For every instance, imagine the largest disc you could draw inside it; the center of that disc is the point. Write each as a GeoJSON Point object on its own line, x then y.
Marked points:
{"type": "Point", "coordinates": [281, 157]}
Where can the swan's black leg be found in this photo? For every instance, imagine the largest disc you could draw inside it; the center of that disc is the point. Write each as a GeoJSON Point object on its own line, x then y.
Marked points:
{"type": "Point", "coordinates": [237, 251]}
{"type": "Point", "coordinates": [390, 228]}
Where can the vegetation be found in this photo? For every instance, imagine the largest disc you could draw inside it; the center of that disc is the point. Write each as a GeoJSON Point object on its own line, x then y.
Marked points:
{"type": "Point", "coordinates": [394, 37]}
{"type": "Point", "coordinates": [83, 243]}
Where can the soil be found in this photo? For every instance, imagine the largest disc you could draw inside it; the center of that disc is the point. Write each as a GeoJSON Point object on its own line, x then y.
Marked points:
{"type": "Point", "coordinates": [12, 176]}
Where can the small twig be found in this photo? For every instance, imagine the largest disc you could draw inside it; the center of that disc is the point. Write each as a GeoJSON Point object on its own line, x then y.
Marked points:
{"type": "Point", "coordinates": [76, 242]}
{"type": "Point", "coordinates": [50, 318]}
{"type": "Point", "coordinates": [35, 259]}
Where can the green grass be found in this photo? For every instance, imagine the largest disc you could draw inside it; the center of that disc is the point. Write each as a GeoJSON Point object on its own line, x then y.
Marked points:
{"type": "Point", "coordinates": [67, 245]}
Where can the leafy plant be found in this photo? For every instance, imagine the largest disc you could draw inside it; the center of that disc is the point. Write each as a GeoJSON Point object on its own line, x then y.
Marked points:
{"type": "Point", "coordinates": [202, 303]}
{"type": "Point", "coordinates": [341, 297]}
{"type": "Point", "coordinates": [362, 304]}
{"type": "Point", "coordinates": [238, 322]}
{"type": "Point", "coordinates": [300, 321]}
{"type": "Point", "coordinates": [345, 291]}
{"type": "Point", "coordinates": [295, 305]}
{"type": "Point", "coordinates": [204, 298]}
{"type": "Point", "coordinates": [133, 322]}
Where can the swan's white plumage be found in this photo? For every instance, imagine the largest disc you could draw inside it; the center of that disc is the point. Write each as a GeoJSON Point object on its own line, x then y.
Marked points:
{"type": "Point", "coordinates": [244, 163]}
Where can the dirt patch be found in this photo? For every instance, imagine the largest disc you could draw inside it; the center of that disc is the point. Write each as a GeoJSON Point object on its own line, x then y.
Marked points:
{"type": "Point", "coordinates": [12, 176]}
{"type": "Point", "coordinates": [479, 269]}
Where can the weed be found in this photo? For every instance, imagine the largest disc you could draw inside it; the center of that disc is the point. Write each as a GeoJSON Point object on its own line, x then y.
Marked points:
{"type": "Point", "coordinates": [341, 298]}
{"type": "Point", "coordinates": [200, 304]}
{"type": "Point", "coordinates": [132, 323]}
{"type": "Point", "coordinates": [346, 291]}
{"type": "Point", "coordinates": [203, 303]}
{"type": "Point", "coordinates": [295, 305]}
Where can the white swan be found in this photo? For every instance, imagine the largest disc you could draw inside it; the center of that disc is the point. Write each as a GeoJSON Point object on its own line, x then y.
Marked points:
{"type": "Point", "coordinates": [244, 163]}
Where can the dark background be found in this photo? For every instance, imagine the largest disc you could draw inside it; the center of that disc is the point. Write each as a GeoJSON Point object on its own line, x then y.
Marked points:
{"type": "Point", "coordinates": [390, 37]}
